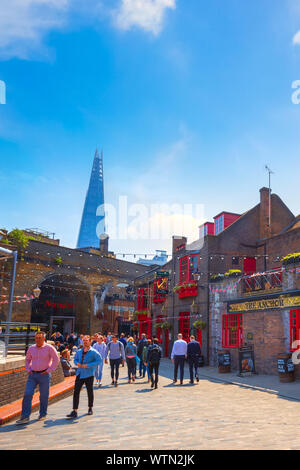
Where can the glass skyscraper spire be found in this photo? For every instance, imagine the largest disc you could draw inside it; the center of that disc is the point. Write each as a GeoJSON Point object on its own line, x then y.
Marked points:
{"type": "Point", "coordinates": [93, 217]}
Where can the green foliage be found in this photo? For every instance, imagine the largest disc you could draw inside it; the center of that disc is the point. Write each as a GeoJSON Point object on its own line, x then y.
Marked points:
{"type": "Point", "coordinates": [291, 258]}
{"type": "Point", "coordinates": [19, 239]}
{"type": "Point", "coordinates": [199, 325]}
{"type": "Point", "coordinates": [58, 261]}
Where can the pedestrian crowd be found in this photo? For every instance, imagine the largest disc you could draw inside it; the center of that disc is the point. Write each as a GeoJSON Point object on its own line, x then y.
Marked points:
{"type": "Point", "coordinates": [90, 353]}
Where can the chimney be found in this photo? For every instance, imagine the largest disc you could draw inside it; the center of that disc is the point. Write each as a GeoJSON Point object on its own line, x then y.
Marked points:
{"type": "Point", "coordinates": [177, 243]}
{"type": "Point", "coordinates": [264, 223]}
{"type": "Point", "coordinates": [104, 243]}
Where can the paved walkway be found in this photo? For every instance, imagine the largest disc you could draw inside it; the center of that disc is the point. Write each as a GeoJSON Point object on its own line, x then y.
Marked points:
{"type": "Point", "coordinates": [209, 415]}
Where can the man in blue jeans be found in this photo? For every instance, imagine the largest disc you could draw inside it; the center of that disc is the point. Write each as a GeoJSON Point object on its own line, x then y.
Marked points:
{"type": "Point", "coordinates": [140, 348]}
{"type": "Point", "coordinates": [178, 356]}
{"type": "Point", "coordinates": [41, 360]}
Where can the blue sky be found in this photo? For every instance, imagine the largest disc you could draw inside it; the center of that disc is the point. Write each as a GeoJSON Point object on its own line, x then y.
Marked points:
{"type": "Point", "coordinates": [189, 100]}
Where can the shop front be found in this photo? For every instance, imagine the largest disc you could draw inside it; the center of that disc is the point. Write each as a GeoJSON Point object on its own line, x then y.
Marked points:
{"type": "Point", "coordinates": [270, 325]}
{"type": "Point", "coordinates": [64, 305]}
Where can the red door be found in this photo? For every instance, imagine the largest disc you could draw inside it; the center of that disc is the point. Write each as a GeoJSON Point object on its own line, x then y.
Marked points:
{"type": "Point", "coordinates": [184, 325]}
{"type": "Point", "coordinates": [166, 343]}
{"type": "Point", "coordinates": [199, 337]}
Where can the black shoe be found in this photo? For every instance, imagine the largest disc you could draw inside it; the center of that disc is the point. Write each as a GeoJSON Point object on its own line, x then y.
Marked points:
{"type": "Point", "coordinates": [191, 382]}
{"type": "Point", "coordinates": [155, 386]}
{"type": "Point", "coordinates": [113, 382]}
{"type": "Point", "coordinates": [181, 382]}
{"type": "Point", "coordinates": [116, 384]}
{"type": "Point", "coordinates": [152, 384]}
{"type": "Point", "coordinates": [174, 381]}
{"type": "Point", "coordinates": [90, 412]}
{"type": "Point", "coordinates": [197, 378]}
{"type": "Point", "coordinates": [72, 415]}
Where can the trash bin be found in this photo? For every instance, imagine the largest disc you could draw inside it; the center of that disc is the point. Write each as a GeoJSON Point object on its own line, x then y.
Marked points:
{"type": "Point", "coordinates": [286, 368]}
{"type": "Point", "coordinates": [224, 361]}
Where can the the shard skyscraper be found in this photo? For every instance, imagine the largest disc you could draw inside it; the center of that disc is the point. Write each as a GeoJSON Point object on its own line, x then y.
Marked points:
{"type": "Point", "coordinates": [93, 217]}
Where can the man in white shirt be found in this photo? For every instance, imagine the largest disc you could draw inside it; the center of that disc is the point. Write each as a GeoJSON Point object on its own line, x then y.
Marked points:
{"type": "Point", "coordinates": [178, 357]}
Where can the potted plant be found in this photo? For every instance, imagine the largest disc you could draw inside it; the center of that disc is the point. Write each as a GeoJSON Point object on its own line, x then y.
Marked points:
{"type": "Point", "coordinates": [233, 273]}
{"type": "Point", "coordinates": [217, 277]}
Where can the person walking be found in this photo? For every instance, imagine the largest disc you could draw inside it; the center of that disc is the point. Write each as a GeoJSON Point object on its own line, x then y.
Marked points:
{"type": "Point", "coordinates": [123, 340]}
{"type": "Point", "coordinates": [145, 364]}
{"type": "Point", "coordinates": [41, 360]}
{"type": "Point", "coordinates": [100, 347]}
{"type": "Point", "coordinates": [178, 356]}
{"type": "Point", "coordinates": [130, 354]}
{"type": "Point", "coordinates": [193, 356]}
{"type": "Point", "coordinates": [86, 359]}
{"type": "Point", "coordinates": [154, 354]}
{"type": "Point", "coordinates": [140, 347]}
{"type": "Point", "coordinates": [108, 337]}
{"type": "Point", "coordinates": [116, 353]}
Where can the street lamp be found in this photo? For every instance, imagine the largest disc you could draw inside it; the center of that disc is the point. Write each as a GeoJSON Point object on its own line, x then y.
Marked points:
{"type": "Point", "coordinates": [36, 292]}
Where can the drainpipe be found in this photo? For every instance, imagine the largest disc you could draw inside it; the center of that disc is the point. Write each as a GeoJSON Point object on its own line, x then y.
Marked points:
{"type": "Point", "coordinates": [208, 311]}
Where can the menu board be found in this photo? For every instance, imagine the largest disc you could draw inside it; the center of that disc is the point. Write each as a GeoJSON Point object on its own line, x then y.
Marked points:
{"type": "Point", "coordinates": [285, 365]}
{"type": "Point", "coordinates": [246, 360]}
{"type": "Point", "coordinates": [224, 359]}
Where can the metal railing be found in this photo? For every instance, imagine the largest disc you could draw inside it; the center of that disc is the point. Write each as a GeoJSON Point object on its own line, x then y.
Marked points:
{"type": "Point", "coordinates": [18, 336]}
{"type": "Point", "coordinates": [267, 282]}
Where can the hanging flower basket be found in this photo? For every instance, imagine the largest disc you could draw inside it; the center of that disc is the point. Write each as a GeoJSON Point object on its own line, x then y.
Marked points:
{"type": "Point", "coordinates": [199, 325]}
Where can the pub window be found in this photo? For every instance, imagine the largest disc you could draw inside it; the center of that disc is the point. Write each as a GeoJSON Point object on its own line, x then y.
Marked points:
{"type": "Point", "coordinates": [188, 266]}
{"type": "Point", "coordinates": [142, 299]}
{"type": "Point", "coordinates": [232, 334]}
{"type": "Point", "coordinates": [294, 329]}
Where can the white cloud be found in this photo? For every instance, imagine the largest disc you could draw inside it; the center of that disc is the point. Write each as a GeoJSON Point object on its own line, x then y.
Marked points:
{"type": "Point", "coordinates": [296, 38]}
{"type": "Point", "coordinates": [24, 23]}
{"type": "Point", "coordinates": [145, 14]}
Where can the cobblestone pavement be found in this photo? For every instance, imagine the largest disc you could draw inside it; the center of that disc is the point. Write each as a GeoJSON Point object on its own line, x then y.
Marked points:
{"type": "Point", "coordinates": [208, 415]}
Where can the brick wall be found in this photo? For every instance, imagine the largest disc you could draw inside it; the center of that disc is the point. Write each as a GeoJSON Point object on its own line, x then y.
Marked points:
{"type": "Point", "coordinates": [13, 381]}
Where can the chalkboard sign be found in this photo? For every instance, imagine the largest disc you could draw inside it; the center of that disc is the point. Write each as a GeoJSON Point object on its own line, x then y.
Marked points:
{"type": "Point", "coordinates": [285, 365]}
{"type": "Point", "coordinates": [224, 359]}
{"type": "Point", "coordinates": [246, 360]}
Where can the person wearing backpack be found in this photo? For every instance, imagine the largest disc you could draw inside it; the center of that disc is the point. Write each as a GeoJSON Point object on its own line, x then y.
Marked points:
{"type": "Point", "coordinates": [116, 353]}
{"type": "Point", "coordinates": [131, 359]}
{"type": "Point", "coordinates": [153, 360]}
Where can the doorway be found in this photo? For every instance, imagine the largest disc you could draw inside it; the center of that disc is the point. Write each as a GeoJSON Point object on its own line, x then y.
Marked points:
{"type": "Point", "coordinates": [64, 325]}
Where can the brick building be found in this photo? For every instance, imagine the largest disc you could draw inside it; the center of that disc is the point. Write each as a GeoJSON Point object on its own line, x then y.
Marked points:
{"type": "Point", "coordinates": [244, 243]}
{"type": "Point", "coordinates": [85, 291]}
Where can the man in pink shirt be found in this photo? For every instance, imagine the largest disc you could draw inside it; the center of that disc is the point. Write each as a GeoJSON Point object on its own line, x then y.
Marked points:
{"type": "Point", "coordinates": [41, 360]}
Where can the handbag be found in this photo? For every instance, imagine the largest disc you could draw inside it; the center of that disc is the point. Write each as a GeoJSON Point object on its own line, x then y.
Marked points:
{"type": "Point", "coordinates": [136, 357]}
